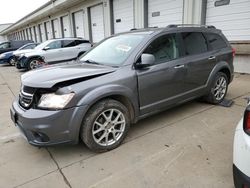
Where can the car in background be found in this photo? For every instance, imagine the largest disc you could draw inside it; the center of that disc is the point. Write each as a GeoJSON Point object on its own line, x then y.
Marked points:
{"type": "Point", "coordinates": [241, 154]}
{"type": "Point", "coordinates": [13, 45]}
{"type": "Point", "coordinates": [10, 57]}
{"type": "Point", "coordinates": [53, 51]}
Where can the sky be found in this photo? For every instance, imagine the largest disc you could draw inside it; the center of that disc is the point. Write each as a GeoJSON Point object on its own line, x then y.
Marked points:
{"type": "Point", "coordinates": [13, 10]}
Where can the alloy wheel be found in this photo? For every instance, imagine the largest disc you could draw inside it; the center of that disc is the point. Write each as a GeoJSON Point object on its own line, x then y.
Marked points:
{"type": "Point", "coordinates": [220, 88]}
{"type": "Point", "coordinates": [108, 127]}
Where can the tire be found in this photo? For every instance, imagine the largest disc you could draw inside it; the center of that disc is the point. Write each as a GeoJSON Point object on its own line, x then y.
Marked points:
{"type": "Point", "coordinates": [219, 84]}
{"type": "Point", "coordinates": [11, 61]}
{"type": "Point", "coordinates": [34, 63]}
{"type": "Point", "coordinates": [98, 138]}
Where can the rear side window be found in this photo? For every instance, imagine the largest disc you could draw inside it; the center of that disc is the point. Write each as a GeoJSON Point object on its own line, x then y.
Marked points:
{"type": "Point", "coordinates": [164, 48]}
{"type": "Point", "coordinates": [194, 42]}
{"type": "Point", "coordinates": [78, 42]}
{"type": "Point", "coordinates": [69, 43]}
{"type": "Point", "coordinates": [215, 41]}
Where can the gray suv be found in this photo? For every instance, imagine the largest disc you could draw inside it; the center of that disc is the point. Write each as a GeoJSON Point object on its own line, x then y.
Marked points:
{"type": "Point", "coordinates": [123, 79]}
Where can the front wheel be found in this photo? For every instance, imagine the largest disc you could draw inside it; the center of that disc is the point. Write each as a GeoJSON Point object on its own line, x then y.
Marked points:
{"type": "Point", "coordinates": [12, 61]}
{"type": "Point", "coordinates": [34, 63]}
{"type": "Point", "coordinates": [105, 125]}
{"type": "Point", "coordinates": [219, 89]}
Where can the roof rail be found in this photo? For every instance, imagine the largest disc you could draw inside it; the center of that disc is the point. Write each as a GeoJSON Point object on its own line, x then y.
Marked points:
{"type": "Point", "coordinates": [190, 25]}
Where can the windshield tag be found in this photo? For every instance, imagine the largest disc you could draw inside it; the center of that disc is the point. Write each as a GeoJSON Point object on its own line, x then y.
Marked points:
{"type": "Point", "coordinates": [123, 48]}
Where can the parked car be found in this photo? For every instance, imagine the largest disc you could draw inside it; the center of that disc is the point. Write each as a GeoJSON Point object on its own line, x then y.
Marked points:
{"type": "Point", "coordinates": [53, 51]}
{"type": "Point", "coordinates": [123, 79]}
{"type": "Point", "coordinates": [241, 157]}
{"type": "Point", "coordinates": [10, 57]}
{"type": "Point", "coordinates": [13, 45]}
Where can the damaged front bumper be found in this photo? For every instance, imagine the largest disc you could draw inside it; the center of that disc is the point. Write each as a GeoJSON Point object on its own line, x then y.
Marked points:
{"type": "Point", "coordinates": [45, 127]}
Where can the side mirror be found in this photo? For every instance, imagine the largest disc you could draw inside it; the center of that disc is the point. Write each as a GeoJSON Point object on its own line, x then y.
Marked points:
{"type": "Point", "coordinates": [46, 48]}
{"type": "Point", "coordinates": [146, 60]}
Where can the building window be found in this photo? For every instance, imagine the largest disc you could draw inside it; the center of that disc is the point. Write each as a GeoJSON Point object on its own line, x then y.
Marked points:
{"type": "Point", "coordinates": [221, 3]}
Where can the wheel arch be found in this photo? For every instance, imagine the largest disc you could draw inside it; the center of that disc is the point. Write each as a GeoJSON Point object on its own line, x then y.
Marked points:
{"type": "Point", "coordinates": [220, 67]}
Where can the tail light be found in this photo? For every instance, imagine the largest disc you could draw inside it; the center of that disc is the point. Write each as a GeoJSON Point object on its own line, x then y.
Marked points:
{"type": "Point", "coordinates": [234, 52]}
{"type": "Point", "coordinates": [246, 123]}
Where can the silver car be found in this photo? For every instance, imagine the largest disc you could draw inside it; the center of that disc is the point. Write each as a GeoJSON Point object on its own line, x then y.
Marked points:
{"type": "Point", "coordinates": [53, 51]}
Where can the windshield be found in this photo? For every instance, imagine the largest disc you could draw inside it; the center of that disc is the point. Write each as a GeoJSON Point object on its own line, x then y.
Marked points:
{"type": "Point", "coordinates": [113, 51]}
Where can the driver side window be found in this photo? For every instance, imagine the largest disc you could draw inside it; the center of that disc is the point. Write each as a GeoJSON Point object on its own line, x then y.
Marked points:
{"type": "Point", "coordinates": [55, 45]}
{"type": "Point", "coordinates": [164, 48]}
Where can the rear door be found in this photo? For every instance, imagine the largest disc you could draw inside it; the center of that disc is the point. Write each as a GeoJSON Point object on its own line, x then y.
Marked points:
{"type": "Point", "coordinates": [200, 61]}
{"type": "Point", "coordinates": [162, 84]}
{"type": "Point", "coordinates": [69, 49]}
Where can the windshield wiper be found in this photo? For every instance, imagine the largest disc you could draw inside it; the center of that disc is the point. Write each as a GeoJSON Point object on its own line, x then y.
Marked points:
{"type": "Point", "coordinates": [92, 62]}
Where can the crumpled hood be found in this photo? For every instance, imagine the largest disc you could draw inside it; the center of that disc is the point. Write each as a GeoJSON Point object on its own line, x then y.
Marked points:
{"type": "Point", "coordinates": [49, 76]}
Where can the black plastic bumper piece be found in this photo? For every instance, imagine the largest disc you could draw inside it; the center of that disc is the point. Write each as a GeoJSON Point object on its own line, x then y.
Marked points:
{"type": "Point", "coordinates": [240, 179]}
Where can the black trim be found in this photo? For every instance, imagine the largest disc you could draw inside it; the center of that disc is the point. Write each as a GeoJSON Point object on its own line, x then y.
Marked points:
{"type": "Point", "coordinates": [240, 178]}
{"type": "Point", "coordinates": [89, 23]}
{"type": "Point", "coordinates": [203, 12]}
{"type": "Point", "coordinates": [74, 23]}
{"type": "Point", "coordinates": [145, 13]}
{"type": "Point", "coordinates": [112, 21]}
{"type": "Point", "coordinates": [46, 30]}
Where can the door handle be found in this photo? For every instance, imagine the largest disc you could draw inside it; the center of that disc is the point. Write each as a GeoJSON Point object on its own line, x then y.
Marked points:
{"type": "Point", "coordinates": [179, 66]}
{"type": "Point", "coordinates": [211, 58]}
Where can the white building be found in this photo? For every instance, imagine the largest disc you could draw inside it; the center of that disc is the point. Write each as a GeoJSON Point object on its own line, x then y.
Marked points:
{"type": "Point", "coordinates": [3, 27]}
{"type": "Point", "coordinates": [97, 19]}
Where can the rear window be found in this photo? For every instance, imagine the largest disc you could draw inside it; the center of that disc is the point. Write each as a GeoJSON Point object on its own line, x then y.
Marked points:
{"type": "Point", "coordinates": [216, 42]}
{"type": "Point", "coordinates": [78, 42]}
{"type": "Point", "coordinates": [194, 42]}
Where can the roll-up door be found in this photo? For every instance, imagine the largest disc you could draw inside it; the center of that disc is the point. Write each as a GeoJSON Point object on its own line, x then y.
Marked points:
{"type": "Point", "coordinates": [55, 24]}
{"type": "Point", "coordinates": [232, 17]}
{"type": "Point", "coordinates": [48, 30]}
{"type": "Point", "coordinates": [164, 12]}
{"type": "Point", "coordinates": [97, 23]}
{"type": "Point", "coordinates": [78, 24]}
{"type": "Point", "coordinates": [65, 26]}
{"type": "Point", "coordinates": [123, 12]}
{"type": "Point", "coordinates": [43, 33]}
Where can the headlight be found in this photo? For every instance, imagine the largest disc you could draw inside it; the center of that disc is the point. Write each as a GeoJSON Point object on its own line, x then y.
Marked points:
{"type": "Point", "coordinates": [54, 101]}
{"type": "Point", "coordinates": [2, 56]}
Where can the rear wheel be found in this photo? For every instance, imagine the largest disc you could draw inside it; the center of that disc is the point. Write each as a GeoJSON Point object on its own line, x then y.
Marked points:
{"type": "Point", "coordinates": [105, 125]}
{"type": "Point", "coordinates": [219, 89]}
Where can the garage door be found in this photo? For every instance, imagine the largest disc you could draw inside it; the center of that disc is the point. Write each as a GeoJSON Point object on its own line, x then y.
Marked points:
{"type": "Point", "coordinates": [78, 24]}
{"type": "Point", "coordinates": [66, 26]}
{"type": "Point", "coordinates": [28, 34]}
{"type": "Point", "coordinates": [97, 23]}
{"type": "Point", "coordinates": [233, 18]}
{"type": "Point", "coordinates": [164, 12]}
{"type": "Point", "coordinates": [38, 34]}
{"type": "Point", "coordinates": [55, 23]}
{"type": "Point", "coordinates": [48, 30]}
{"type": "Point", "coordinates": [43, 33]}
{"type": "Point", "coordinates": [32, 33]}
{"type": "Point", "coordinates": [123, 12]}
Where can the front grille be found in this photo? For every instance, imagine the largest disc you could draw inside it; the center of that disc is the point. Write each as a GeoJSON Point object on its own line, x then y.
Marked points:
{"type": "Point", "coordinates": [26, 97]}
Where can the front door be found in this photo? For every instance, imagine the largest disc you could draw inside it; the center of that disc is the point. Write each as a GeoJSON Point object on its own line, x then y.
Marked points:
{"type": "Point", "coordinates": [164, 82]}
